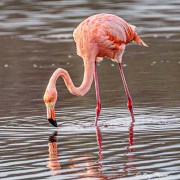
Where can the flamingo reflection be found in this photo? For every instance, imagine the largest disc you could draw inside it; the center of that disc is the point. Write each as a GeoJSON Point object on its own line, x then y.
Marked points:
{"type": "Point", "coordinates": [86, 166]}
{"type": "Point", "coordinates": [53, 160]}
{"type": "Point", "coordinates": [86, 162]}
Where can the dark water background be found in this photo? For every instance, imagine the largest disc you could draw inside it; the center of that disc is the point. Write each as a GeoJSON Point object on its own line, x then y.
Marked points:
{"type": "Point", "coordinates": [35, 39]}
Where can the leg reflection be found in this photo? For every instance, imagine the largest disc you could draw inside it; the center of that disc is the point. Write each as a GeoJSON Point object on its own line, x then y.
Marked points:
{"type": "Point", "coordinates": [131, 139]}
{"type": "Point", "coordinates": [86, 166]}
{"type": "Point", "coordinates": [53, 160]}
{"type": "Point", "coordinates": [99, 143]}
{"type": "Point", "coordinates": [131, 150]}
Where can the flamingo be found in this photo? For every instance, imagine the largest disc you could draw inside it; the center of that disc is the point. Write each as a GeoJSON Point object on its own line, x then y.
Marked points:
{"type": "Point", "coordinates": [98, 36]}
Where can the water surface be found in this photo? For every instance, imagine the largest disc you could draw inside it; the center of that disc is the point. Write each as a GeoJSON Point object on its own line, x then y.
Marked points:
{"type": "Point", "coordinates": [36, 38]}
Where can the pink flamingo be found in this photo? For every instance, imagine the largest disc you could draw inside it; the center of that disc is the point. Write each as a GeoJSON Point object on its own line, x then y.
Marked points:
{"type": "Point", "coordinates": [101, 35]}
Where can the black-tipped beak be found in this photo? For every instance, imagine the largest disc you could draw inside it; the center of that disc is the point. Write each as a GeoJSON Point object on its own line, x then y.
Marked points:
{"type": "Point", "coordinates": [53, 122]}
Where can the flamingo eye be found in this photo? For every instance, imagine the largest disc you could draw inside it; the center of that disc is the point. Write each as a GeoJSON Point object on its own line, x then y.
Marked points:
{"type": "Point", "coordinates": [51, 100]}
{"type": "Point", "coordinates": [48, 100]}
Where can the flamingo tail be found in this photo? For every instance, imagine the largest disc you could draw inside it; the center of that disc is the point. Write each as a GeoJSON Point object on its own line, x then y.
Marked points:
{"type": "Point", "coordinates": [139, 41]}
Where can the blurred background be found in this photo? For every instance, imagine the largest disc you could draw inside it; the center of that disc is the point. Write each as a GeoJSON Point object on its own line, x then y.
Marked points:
{"type": "Point", "coordinates": [36, 38]}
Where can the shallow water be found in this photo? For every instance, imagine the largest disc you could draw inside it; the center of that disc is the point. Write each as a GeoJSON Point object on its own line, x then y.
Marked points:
{"type": "Point", "coordinates": [36, 38]}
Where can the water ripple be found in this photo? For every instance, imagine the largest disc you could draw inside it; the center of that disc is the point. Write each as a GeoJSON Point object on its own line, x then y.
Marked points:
{"type": "Point", "coordinates": [123, 149]}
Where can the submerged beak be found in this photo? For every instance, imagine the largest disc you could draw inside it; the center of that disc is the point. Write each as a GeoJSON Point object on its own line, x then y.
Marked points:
{"type": "Point", "coordinates": [51, 116]}
{"type": "Point", "coordinates": [53, 122]}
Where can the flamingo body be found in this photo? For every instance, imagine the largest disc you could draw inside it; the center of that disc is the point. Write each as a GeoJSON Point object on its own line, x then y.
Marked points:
{"type": "Point", "coordinates": [101, 35]}
{"type": "Point", "coordinates": [105, 34]}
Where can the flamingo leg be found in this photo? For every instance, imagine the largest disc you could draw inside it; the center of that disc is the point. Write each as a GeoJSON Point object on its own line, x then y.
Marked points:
{"type": "Point", "coordinates": [98, 107]}
{"type": "Point", "coordinates": [129, 99]}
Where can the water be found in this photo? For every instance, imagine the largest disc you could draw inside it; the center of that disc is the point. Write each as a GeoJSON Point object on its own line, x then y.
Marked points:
{"type": "Point", "coordinates": [36, 38]}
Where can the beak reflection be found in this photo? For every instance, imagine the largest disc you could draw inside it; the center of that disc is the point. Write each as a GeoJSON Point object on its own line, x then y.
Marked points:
{"type": "Point", "coordinates": [53, 160]}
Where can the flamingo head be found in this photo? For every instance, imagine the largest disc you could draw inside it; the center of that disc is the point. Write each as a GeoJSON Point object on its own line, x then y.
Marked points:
{"type": "Point", "coordinates": [50, 98]}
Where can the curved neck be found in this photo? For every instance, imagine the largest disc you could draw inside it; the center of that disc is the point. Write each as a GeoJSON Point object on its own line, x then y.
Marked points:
{"type": "Point", "coordinates": [89, 66]}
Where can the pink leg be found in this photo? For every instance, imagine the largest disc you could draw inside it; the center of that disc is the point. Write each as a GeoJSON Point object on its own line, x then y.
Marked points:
{"type": "Point", "coordinates": [98, 108]}
{"type": "Point", "coordinates": [129, 103]}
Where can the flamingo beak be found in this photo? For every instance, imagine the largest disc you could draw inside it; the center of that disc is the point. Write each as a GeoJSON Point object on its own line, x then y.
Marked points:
{"type": "Point", "coordinates": [51, 116]}
{"type": "Point", "coordinates": [53, 122]}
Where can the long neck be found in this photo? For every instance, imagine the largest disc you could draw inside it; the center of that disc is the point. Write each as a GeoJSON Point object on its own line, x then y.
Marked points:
{"type": "Point", "coordinates": [89, 66]}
